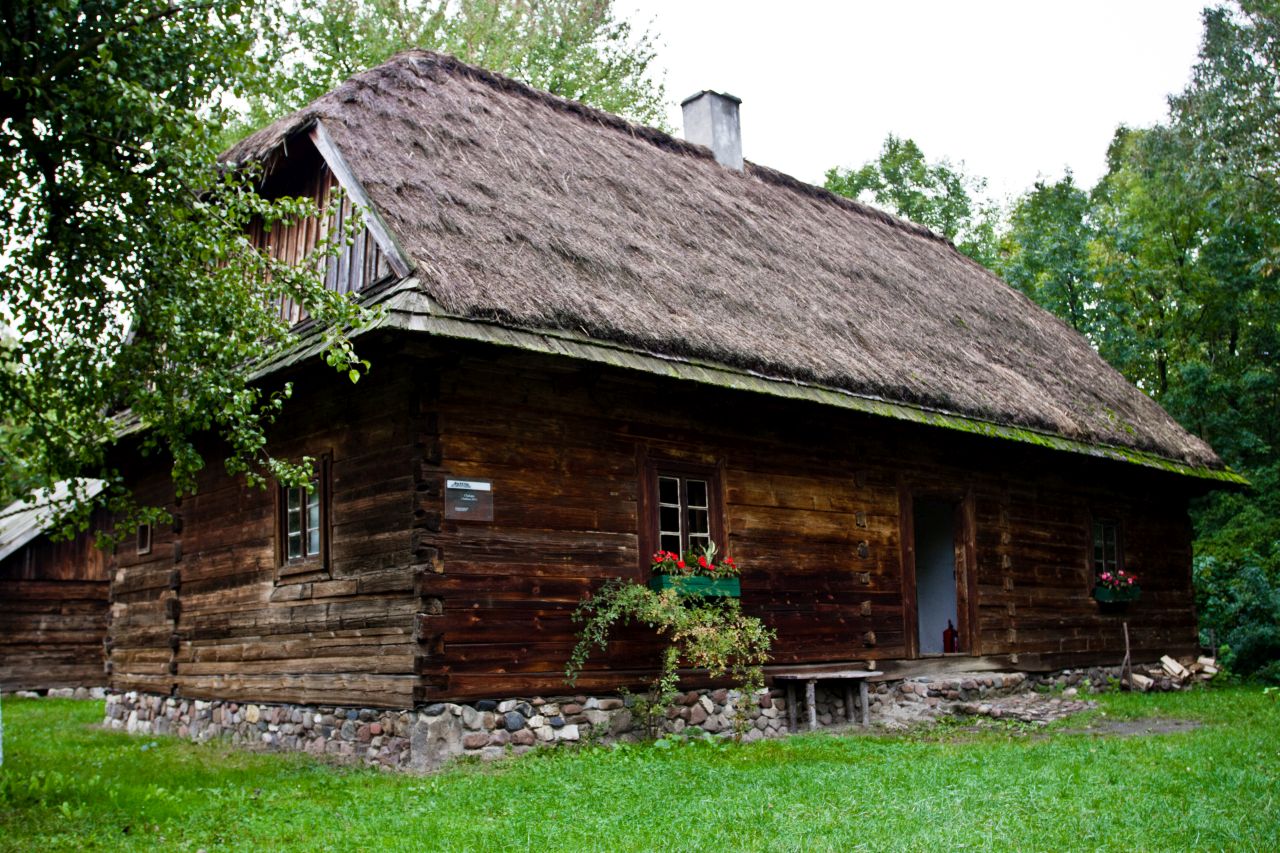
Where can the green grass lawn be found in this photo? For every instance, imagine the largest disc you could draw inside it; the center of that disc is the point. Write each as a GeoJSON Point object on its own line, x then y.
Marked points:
{"type": "Point", "coordinates": [66, 784]}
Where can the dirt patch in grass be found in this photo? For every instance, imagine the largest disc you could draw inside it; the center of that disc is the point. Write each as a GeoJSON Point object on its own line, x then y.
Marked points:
{"type": "Point", "coordinates": [1134, 728]}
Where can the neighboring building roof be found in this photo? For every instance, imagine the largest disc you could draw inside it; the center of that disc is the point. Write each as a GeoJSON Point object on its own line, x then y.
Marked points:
{"type": "Point", "coordinates": [24, 520]}
{"type": "Point", "coordinates": [527, 214]}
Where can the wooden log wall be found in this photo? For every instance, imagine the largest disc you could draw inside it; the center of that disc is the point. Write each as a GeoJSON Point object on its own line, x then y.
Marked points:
{"type": "Point", "coordinates": [814, 510]}
{"type": "Point", "coordinates": [207, 613]}
{"type": "Point", "coordinates": [53, 615]}
{"type": "Point", "coordinates": [817, 507]}
{"type": "Point", "coordinates": [356, 267]}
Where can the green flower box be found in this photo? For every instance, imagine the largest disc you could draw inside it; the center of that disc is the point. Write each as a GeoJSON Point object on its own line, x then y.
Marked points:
{"type": "Point", "coordinates": [698, 585]}
{"type": "Point", "coordinates": [1115, 596]}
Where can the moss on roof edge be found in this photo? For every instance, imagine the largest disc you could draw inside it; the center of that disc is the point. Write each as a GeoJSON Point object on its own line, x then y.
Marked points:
{"type": "Point", "coordinates": [406, 307]}
{"type": "Point", "coordinates": [413, 311]}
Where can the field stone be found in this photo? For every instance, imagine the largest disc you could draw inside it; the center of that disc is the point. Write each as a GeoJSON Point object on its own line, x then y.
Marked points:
{"type": "Point", "coordinates": [475, 740]}
{"type": "Point", "coordinates": [620, 722]}
{"type": "Point", "coordinates": [434, 740]}
{"type": "Point", "coordinates": [513, 721]}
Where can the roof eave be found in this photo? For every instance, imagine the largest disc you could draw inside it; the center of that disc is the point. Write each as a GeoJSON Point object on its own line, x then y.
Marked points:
{"type": "Point", "coordinates": [405, 306]}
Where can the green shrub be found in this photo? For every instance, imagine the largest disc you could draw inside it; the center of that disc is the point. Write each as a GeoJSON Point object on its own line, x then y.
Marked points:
{"type": "Point", "coordinates": [1239, 605]}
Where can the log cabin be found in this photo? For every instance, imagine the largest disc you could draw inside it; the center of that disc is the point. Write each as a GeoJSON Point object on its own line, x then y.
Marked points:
{"type": "Point", "coordinates": [53, 598]}
{"type": "Point", "coordinates": [594, 339]}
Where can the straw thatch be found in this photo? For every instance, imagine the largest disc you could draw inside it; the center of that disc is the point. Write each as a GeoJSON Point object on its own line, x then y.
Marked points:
{"type": "Point", "coordinates": [532, 211]}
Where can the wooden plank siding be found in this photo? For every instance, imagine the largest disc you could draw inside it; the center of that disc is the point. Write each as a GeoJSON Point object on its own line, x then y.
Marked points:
{"type": "Point", "coordinates": [417, 607]}
{"type": "Point", "coordinates": [206, 614]}
{"type": "Point", "coordinates": [813, 509]}
{"type": "Point", "coordinates": [53, 614]}
{"type": "Point", "coordinates": [357, 266]}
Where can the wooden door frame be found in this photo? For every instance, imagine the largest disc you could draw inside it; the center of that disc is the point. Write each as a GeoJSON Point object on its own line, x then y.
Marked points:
{"type": "Point", "coordinates": [965, 543]}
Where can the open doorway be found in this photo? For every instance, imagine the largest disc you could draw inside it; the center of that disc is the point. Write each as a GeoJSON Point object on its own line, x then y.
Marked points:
{"type": "Point", "coordinates": [937, 611]}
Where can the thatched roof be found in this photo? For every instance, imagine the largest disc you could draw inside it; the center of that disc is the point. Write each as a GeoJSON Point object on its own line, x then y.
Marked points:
{"type": "Point", "coordinates": [524, 210]}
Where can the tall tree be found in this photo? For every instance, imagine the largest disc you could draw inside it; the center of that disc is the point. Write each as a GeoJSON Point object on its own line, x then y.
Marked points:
{"type": "Point", "coordinates": [1044, 251]}
{"type": "Point", "coordinates": [1186, 263]}
{"type": "Point", "coordinates": [937, 195]}
{"type": "Point", "coordinates": [1231, 109]}
{"type": "Point", "coordinates": [126, 281]}
{"type": "Point", "coordinates": [578, 49]}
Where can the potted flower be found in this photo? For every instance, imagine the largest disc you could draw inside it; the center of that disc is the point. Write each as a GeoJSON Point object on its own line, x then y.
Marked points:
{"type": "Point", "coordinates": [704, 573]}
{"type": "Point", "coordinates": [1117, 585]}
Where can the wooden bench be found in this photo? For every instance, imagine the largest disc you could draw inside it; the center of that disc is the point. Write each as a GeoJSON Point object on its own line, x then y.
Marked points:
{"type": "Point", "coordinates": [811, 679]}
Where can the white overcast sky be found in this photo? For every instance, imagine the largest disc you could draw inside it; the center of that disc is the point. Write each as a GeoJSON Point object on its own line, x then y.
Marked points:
{"type": "Point", "coordinates": [1013, 89]}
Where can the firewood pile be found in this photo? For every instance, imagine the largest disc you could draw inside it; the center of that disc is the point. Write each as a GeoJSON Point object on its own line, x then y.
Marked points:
{"type": "Point", "coordinates": [1172, 675]}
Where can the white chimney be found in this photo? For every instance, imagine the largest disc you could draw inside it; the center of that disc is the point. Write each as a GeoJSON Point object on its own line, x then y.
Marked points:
{"type": "Point", "coordinates": [711, 119]}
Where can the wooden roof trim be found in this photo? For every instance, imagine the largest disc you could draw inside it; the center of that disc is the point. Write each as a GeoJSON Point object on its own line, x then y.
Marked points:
{"type": "Point", "coordinates": [584, 349]}
{"type": "Point", "coordinates": [408, 307]}
{"type": "Point", "coordinates": [347, 180]}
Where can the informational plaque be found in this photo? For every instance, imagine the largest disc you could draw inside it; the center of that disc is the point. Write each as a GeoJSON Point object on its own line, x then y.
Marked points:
{"type": "Point", "coordinates": [468, 500]}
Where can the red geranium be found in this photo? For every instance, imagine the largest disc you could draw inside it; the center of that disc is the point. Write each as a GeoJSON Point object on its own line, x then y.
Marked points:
{"type": "Point", "coordinates": [1117, 579]}
{"type": "Point", "coordinates": [705, 563]}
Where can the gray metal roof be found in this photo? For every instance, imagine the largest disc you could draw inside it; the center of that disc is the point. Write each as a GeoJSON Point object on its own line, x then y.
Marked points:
{"type": "Point", "coordinates": [24, 520]}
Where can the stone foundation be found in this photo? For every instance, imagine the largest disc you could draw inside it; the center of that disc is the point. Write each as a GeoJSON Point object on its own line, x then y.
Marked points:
{"type": "Point", "coordinates": [61, 693]}
{"type": "Point", "coordinates": [432, 735]}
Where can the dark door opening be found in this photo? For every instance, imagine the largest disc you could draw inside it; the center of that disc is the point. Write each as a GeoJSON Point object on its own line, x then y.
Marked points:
{"type": "Point", "coordinates": [936, 541]}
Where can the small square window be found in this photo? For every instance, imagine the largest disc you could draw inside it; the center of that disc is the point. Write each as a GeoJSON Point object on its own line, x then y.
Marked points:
{"type": "Point", "coordinates": [144, 538]}
{"type": "Point", "coordinates": [302, 524]}
{"type": "Point", "coordinates": [1107, 555]}
{"type": "Point", "coordinates": [302, 521]}
{"type": "Point", "coordinates": [683, 513]}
